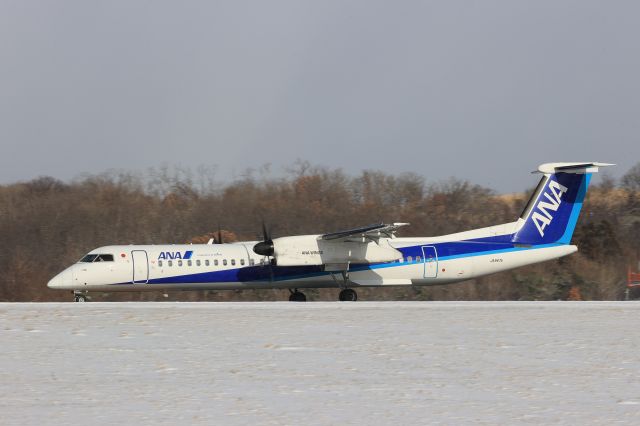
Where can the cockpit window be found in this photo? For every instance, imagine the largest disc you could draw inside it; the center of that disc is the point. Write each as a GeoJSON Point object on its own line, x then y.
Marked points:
{"type": "Point", "coordinates": [97, 258]}
{"type": "Point", "coordinates": [104, 258]}
{"type": "Point", "coordinates": [89, 258]}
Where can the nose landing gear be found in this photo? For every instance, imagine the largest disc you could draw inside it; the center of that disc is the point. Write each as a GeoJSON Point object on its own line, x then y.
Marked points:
{"type": "Point", "coordinates": [81, 297]}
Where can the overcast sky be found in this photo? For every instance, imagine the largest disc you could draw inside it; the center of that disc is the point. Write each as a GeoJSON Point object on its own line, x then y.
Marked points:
{"type": "Point", "coordinates": [480, 90]}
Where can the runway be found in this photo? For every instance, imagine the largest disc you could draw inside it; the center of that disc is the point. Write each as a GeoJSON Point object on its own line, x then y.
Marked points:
{"type": "Point", "coordinates": [320, 363]}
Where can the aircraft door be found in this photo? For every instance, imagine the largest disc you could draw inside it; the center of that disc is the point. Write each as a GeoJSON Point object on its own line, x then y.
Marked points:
{"type": "Point", "coordinates": [140, 267]}
{"type": "Point", "coordinates": [430, 256]}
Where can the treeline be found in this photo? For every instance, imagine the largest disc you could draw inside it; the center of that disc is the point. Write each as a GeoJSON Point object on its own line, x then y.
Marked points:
{"type": "Point", "coordinates": [46, 224]}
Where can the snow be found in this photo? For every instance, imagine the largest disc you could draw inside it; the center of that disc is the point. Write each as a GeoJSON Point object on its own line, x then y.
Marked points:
{"type": "Point", "coordinates": [320, 363]}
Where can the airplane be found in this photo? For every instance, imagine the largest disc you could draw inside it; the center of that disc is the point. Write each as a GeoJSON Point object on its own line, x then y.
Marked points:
{"type": "Point", "coordinates": [370, 256]}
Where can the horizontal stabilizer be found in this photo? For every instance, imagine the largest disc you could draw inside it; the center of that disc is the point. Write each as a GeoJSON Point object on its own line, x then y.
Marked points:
{"type": "Point", "coordinates": [580, 167]}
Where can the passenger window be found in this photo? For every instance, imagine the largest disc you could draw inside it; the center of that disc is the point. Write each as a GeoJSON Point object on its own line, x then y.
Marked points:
{"type": "Point", "coordinates": [160, 263]}
{"type": "Point", "coordinates": [418, 258]}
{"type": "Point", "coordinates": [224, 262]}
{"type": "Point", "coordinates": [252, 262]}
{"type": "Point", "coordinates": [215, 262]}
{"type": "Point", "coordinates": [179, 262]}
{"type": "Point", "coordinates": [198, 262]}
{"type": "Point", "coordinates": [189, 263]}
{"type": "Point", "coordinates": [233, 262]}
{"type": "Point", "coordinates": [242, 262]}
{"type": "Point", "coordinates": [409, 259]}
{"type": "Point", "coordinates": [206, 262]}
{"type": "Point", "coordinates": [170, 262]}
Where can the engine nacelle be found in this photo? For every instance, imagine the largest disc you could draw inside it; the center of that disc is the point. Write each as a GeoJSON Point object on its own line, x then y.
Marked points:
{"type": "Point", "coordinates": [313, 250]}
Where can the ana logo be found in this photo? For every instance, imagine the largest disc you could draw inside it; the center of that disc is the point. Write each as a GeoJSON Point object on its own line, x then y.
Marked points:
{"type": "Point", "coordinates": [168, 255]}
{"type": "Point", "coordinates": [542, 218]}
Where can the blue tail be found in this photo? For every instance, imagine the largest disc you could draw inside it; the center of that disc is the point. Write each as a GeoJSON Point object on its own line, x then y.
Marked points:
{"type": "Point", "coordinates": [552, 212]}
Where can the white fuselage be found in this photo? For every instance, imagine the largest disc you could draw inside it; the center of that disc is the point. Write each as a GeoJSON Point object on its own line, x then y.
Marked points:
{"type": "Point", "coordinates": [236, 266]}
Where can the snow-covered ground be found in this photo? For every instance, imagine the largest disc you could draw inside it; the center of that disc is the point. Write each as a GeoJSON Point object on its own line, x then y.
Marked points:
{"type": "Point", "coordinates": [320, 363]}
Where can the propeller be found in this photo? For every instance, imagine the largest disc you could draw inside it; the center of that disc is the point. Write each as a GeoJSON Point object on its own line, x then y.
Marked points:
{"type": "Point", "coordinates": [264, 247]}
{"type": "Point", "coordinates": [219, 236]}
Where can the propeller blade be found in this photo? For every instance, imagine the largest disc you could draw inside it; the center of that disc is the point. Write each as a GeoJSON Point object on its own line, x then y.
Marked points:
{"type": "Point", "coordinates": [265, 233]}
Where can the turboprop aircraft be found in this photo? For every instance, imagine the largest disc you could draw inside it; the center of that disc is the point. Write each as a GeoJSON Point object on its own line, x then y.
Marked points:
{"type": "Point", "coordinates": [370, 256]}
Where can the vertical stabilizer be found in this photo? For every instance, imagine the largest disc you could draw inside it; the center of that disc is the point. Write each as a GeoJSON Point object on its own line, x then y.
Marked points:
{"type": "Point", "coordinates": [551, 215]}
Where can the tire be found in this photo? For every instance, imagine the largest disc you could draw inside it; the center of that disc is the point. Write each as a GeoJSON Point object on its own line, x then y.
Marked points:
{"type": "Point", "coordinates": [348, 295]}
{"type": "Point", "coordinates": [297, 296]}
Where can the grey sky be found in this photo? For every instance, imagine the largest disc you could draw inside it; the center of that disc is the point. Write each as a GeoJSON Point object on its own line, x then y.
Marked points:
{"type": "Point", "coordinates": [483, 91]}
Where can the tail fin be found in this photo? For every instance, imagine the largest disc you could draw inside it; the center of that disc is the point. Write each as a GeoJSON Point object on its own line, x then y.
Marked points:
{"type": "Point", "coordinates": [551, 214]}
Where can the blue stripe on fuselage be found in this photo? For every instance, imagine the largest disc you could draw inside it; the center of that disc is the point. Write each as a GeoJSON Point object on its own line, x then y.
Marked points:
{"type": "Point", "coordinates": [445, 250]}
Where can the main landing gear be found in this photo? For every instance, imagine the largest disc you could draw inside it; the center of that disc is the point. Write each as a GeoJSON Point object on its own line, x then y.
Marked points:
{"type": "Point", "coordinates": [297, 296]}
{"type": "Point", "coordinates": [348, 295]}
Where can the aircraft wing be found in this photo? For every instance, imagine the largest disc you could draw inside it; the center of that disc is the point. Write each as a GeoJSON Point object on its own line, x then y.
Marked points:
{"type": "Point", "coordinates": [371, 231]}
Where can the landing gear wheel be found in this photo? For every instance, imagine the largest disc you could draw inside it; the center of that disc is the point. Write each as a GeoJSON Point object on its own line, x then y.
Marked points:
{"type": "Point", "coordinates": [80, 298]}
{"type": "Point", "coordinates": [348, 295]}
{"type": "Point", "coordinates": [297, 296]}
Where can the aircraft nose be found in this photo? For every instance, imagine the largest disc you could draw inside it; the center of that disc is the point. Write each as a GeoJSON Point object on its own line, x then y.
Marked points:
{"type": "Point", "coordinates": [60, 281]}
